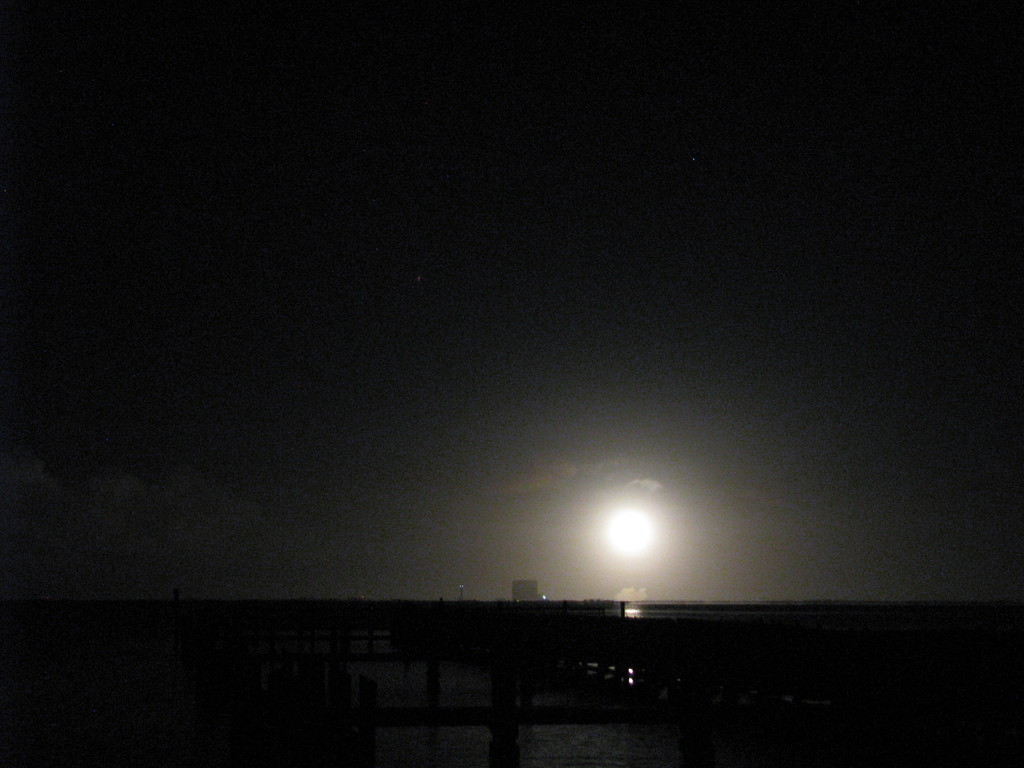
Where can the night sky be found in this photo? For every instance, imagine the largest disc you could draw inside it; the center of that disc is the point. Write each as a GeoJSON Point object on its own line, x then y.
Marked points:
{"type": "Point", "coordinates": [380, 299]}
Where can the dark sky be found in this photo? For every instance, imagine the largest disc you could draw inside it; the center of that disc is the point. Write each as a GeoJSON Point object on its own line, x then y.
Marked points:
{"type": "Point", "coordinates": [380, 299]}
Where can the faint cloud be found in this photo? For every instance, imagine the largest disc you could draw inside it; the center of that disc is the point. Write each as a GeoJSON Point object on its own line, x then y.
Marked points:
{"type": "Point", "coordinates": [645, 485]}
{"type": "Point", "coordinates": [612, 476]}
{"type": "Point", "coordinates": [25, 469]}
{"type": "Point", "coordinates": [631, 594]}
{"type": "Point", "coordinates": [552, 476]}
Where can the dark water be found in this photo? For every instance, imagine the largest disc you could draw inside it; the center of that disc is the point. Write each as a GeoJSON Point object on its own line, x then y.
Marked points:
{"type": "Point", "coordinates": [91, 684]}
{"type": "Point", "coordinates": [852, 616]}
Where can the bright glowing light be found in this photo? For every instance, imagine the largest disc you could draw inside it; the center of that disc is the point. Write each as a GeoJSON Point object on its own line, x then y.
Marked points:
{"type": "Point", "coordinates": [630, 532]}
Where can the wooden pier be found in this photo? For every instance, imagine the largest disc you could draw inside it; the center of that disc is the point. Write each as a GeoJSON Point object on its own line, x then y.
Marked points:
{"type": "Point", "coordinates": [282, 671]}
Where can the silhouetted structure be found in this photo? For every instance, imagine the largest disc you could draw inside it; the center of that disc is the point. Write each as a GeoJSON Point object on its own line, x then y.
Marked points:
{"type": "Point", "coordinates": [921, 696]}
{"type": "Point", "coordinates": [525, 589]}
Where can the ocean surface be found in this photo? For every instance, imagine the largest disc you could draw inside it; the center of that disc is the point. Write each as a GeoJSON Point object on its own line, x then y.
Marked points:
{"type": "Point", "coordinates": [90, 684]}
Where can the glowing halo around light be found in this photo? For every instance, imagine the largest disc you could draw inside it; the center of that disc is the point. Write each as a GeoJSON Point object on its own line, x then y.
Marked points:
{"type": "Point", "coordinates": [630, 532]}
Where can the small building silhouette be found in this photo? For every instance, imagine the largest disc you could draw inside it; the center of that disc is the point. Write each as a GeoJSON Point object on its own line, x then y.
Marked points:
{"type": "Point", "coordinates": [525, 589]}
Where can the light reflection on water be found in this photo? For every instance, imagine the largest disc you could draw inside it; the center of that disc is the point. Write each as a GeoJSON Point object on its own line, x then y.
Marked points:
{"type": "Point", "coordinates": [619, 745]}
{"type": "Point", "coordinates": [541, 746]}
{"type": "Point", "coordinates": [839, 615]}
{"type": "Point", "coordinates": [602, 746]}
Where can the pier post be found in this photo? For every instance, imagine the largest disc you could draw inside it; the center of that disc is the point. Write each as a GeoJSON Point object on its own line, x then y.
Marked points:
{"type": "Point", "coordinates": [503, 751]}
{"type": "Point", "coordinates": [339, 686]}
{"type": "Point", "coordinates": [526, 687]}
{"type": "Point", "coordinates": [693, 705]}
{"type": "Point", "coordinates": [177, 620]}
{"type": "Point", "coordinates": [433, 681]}
{"type": "Point", "coordinates": [367, 736]}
